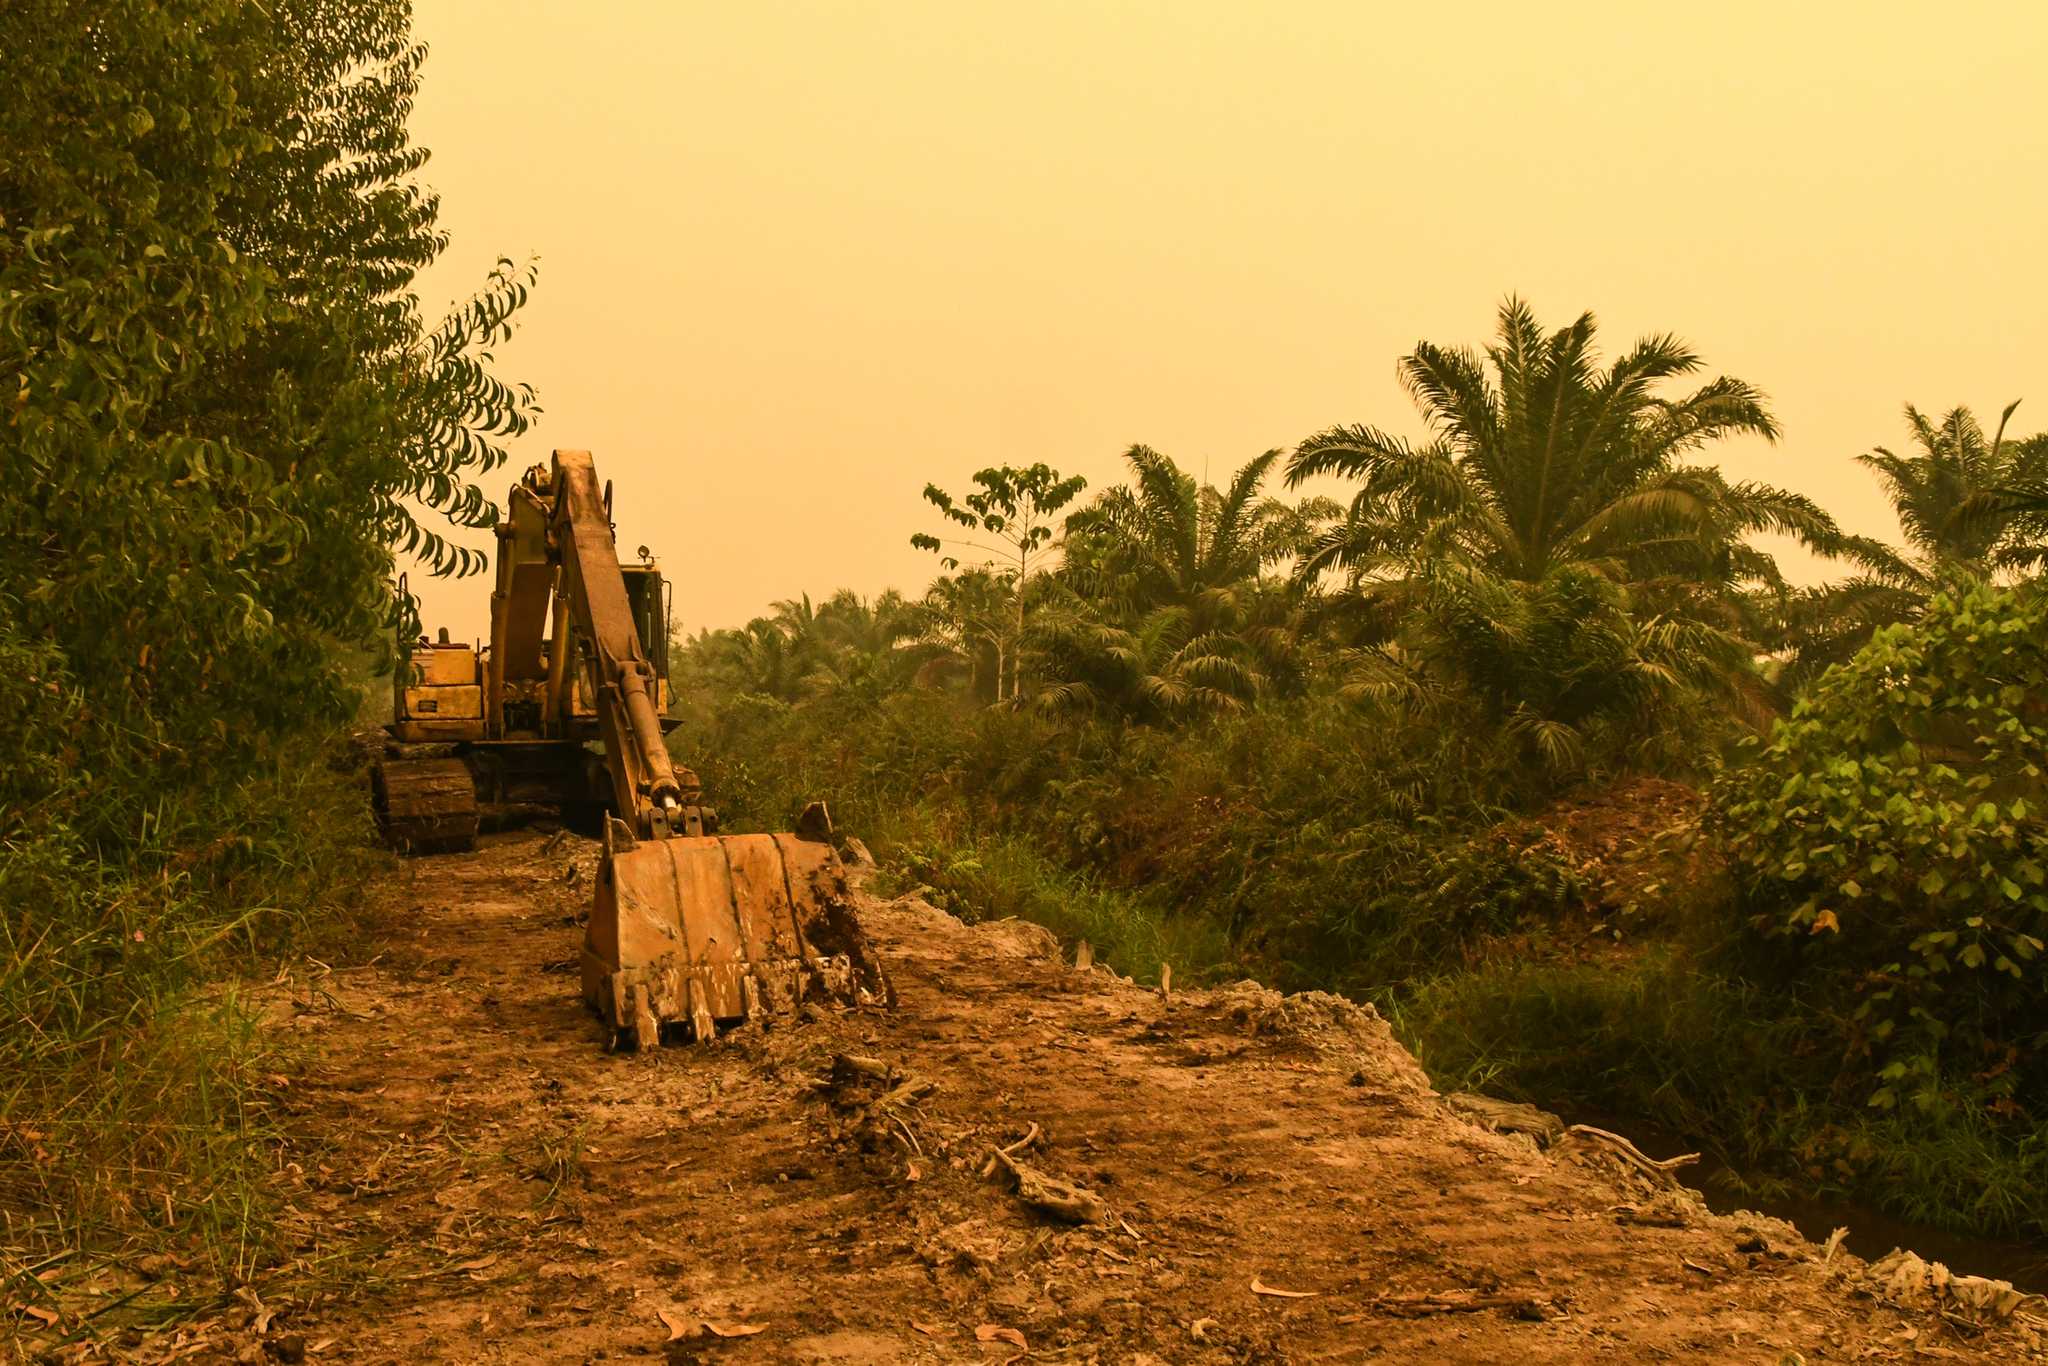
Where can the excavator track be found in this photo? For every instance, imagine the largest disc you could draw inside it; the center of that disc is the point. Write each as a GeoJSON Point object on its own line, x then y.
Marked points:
{"type": "Point", "coordinates": [425, 806]}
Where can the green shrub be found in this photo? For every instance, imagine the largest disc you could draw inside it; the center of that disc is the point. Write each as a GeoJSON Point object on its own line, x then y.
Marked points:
{"type": "Point", "coordinates": [1744, 1068]}
{"type": "Point", "coordinates": [1324, 844]}
{"type": "Point", "coordinates": [1890, 838]}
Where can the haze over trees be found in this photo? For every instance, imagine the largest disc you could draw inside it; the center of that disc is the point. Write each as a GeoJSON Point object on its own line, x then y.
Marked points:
{"type": "Point", "coordinates": [1526, 738]}
{"type": "Point", "coordinates": [1359, 745]}
{"type": "Point", "coordinates": [1969, 509]}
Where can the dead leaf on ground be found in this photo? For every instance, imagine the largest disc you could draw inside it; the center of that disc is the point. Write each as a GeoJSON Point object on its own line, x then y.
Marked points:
{"type": "Point", "coordinates": [1833, 1243]}
{"type": "Point", "coordinates": [690, 1326]}
{"type": "Point", "coordinates": [36, 1311]}
{"type": "Point", "coordinates": [260, 1314]}
{"type": "Point", "coordinates": [1259, 1287]}
{"type": "Point", "coordinates": [478, 1263]}
{"type": "Point", "coordinates": [735, 1330]}
{"type": "Point", "coordinates": [996, 1332]}
{"type": "Point", "coordinates": [930, 1330]}
{"type": "Point", "coordinates": [1200, 1329]}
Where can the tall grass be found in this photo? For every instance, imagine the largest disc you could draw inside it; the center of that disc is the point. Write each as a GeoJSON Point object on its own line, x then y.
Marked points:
{"type": "Point", "coordinates": [137, 1078]}
{"type": "Point", "coordinates": [1006, 875]}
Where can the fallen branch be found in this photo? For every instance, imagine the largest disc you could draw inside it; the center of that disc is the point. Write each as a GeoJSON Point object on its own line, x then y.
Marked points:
{"type": "Point", "coordinates": [1062, 1200]}
{"type": "Point", "coordinates": [883, 1115]}
{"type": "Point", "coordinates": [1657, 1214]}
{"type": "Point", "coordinates": [1634, 1156]}
{"type": "Point", "coordinates": [1456, 1302]}
{"type": "Point", "coordinates": [988, 1168]}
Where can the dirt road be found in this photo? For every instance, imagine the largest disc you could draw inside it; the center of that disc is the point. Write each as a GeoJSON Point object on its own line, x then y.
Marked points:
{"type": "Point", "coordinates": [1279, 1182]}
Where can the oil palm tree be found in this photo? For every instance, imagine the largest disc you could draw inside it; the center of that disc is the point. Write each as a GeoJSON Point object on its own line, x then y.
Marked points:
{"type": "Point", "coordinates": [1968, 507]}
{"type": "Point", "coordinates": [1549, 480]}
{"type": "Point", "coordinates": [1164, 539]}
{"type": "Point", "coordinates": [1160, 609]}
{"type": "Point", "coordinates": [869, 649]}
{"type": "Point", "coordinates": [1171, 661]}
{"type": "Point", "coordinates": [967, 622]}
{"type": "Point", "coordinates": [759, 658]}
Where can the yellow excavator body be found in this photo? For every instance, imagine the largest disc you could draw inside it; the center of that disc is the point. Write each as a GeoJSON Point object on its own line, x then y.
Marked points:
{"type": "Point", "coordinates": [690, 929]}
{"type": "Point", "coordinates": [441, 698]}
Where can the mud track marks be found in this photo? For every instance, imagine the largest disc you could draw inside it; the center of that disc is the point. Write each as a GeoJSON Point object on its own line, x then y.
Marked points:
{"type": "Point", "coordinates": [509, 1192]}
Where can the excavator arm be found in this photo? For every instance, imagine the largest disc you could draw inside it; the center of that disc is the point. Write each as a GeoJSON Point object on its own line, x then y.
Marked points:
{"type": "Point", "coordinates": [653, 797]}
{"type": "Point", "coordinates": [688, 928]}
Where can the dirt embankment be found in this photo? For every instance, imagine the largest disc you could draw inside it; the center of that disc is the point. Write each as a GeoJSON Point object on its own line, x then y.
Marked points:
{"type": "Point", "coordinates": [1266, 1179]}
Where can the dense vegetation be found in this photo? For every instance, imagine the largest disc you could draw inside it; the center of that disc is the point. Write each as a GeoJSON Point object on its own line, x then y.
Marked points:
{"type": "Point", "coordinates": [1529, 741]}
{"type": "Point", "coordinates": [1356, 744]}
{"type": "Point", "coordinates": [226, 415]}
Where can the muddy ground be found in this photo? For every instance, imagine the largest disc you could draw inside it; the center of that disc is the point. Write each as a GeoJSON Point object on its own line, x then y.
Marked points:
{"type": "Point", "coordinates": [1278, 1182]}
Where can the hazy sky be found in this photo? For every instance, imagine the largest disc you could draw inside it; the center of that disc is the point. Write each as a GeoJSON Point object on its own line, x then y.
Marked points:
{"type": "Point", "coordinates": [799, 258]}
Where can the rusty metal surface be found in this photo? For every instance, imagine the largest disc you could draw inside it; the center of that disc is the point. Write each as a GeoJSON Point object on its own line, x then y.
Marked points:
{"type": "Point", "coordinates": [698, 932]}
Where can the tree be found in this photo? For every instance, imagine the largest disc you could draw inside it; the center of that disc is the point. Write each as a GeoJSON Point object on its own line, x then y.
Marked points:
{"type": "Point", "coordinates": [968, 620]}
{"type": "Point", "coordinates": [225, 416]}
{"type": "Point", "coordinates": [1554, 490]}
{"type": "Point", "coordinates": [1969, 508]}
{"type": "Point", "coordinates": [1014, 509]}
{"type": "Point", "coordinates": [1169, 662]}
{"type": "Point", "coordinates": [1162, 538]}
{"type": "Point", "coordinates": [872, 648]}
{"type": "Point", "coordinates": [226, 406]}
{"type": "Point", "coordinates": [1159, 609]}
{"type": "Point", "coordinates": [768, 657]}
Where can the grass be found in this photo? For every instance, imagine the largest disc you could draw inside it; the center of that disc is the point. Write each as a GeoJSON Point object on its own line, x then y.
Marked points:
{"type": "Point", "coordinates": [138, 1078]}
{"type": "Point", "coordinates": [1728, 1064]}
{"type": "Point", "coordinates": [1004, 876]}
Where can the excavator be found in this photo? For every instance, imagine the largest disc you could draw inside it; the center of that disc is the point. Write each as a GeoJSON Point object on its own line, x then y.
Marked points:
{"type": "Point", "coordinates": [690, 929]}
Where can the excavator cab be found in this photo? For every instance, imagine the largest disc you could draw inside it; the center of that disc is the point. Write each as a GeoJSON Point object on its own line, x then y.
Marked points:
{"type": "Point", "coordinates": [690, 929]}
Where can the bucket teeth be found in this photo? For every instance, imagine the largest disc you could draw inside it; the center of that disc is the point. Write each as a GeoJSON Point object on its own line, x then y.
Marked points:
{"type": "Point", "coordinates": [646, 1028]}
{"type": "Point", "coordinates": [702, 1028]}
{"type": "Point", "coordinates": [715, 930]}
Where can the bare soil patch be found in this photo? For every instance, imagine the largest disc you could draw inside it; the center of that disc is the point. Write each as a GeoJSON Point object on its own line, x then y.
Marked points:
{"type": "Point", "coordinates": [1272, 1179]}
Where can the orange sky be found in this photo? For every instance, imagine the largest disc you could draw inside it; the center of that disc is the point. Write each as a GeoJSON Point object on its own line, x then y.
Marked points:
{"type": "Point", "coordinates": [799, 257]}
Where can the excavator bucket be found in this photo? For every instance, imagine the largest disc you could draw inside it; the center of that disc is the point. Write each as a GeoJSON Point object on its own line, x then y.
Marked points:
{"type": "Point", "coordinates": [695, 932]}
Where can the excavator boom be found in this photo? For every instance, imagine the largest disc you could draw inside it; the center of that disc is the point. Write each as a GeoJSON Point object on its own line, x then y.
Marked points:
{"type": "Point", "coordinates": [690, 928]}
{"type": "Point", "coordinates": [646, 789]}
